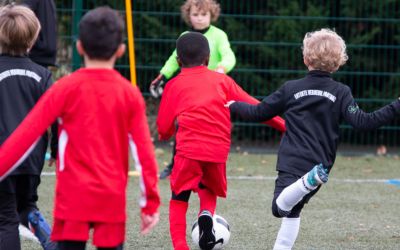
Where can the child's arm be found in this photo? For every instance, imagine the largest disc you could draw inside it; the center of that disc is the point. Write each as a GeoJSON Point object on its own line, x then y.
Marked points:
{"type": "Point", "coordinates": [166, 72]}
{"type": "Point", "coordinates": [143, 153]}
{"type": "Point", "coordinates": [367, 121]}
{"type": "Point", "coordinates": [276, 122]}
{"type": "Point", "coordinates": [166, 115]}
{"type": "Point", "coordinates": [170, 66]}
{"type": "Point", "coordinates": [19, 144]}
{"type": "Point", "coordinates": [228, 59]}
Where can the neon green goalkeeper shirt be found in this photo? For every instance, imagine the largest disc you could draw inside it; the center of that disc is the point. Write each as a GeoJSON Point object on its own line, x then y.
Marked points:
{"type": "Point", "coordinates": [221, 53]}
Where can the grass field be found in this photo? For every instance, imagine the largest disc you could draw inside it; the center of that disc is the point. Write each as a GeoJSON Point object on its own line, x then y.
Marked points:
{"type": "Point", "coordinates": [356, 209]}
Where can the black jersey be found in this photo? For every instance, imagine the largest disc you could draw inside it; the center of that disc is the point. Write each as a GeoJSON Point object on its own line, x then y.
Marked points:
{"type": "Point", "coordinates": [22, 83]}
{"type": "Point", "coordinates": [314, 107]}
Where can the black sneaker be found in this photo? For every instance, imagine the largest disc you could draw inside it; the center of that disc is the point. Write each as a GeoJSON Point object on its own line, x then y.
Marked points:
{"type": "Point", "coordinates": [166, 172]}
{"type": "Point", "coordinates": [206, 231]}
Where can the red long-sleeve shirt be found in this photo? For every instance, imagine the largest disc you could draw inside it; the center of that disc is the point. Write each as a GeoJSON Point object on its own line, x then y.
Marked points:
{"type": "Point", "coordinates": [195, 99]}
{"type": "Point", "coordinates": [99, 115]}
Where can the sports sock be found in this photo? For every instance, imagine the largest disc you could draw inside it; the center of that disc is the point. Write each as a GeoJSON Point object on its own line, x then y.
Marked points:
{"type": "Point", "coordinates": [208, 200]}
{"type": "Point", "coordinates": [287, 234]}
{"type": "Point", "coordinates": [177, 224]}
{"type": "Point", "coordinates": [291, 195]}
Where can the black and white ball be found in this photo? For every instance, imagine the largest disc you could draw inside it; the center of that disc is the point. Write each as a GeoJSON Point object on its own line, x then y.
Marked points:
{"type": "Point", "coordinates": [221, 230]}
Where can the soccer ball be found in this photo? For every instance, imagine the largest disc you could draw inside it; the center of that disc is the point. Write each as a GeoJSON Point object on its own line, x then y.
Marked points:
{"type": "Point", "coordinates": [221, 230]}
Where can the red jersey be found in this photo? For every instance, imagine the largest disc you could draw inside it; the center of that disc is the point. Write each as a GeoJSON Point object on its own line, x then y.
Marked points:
{"type": "Point", "coordinates": [99, 115]}
{"type": "Point", "coordinates": [195, 98]}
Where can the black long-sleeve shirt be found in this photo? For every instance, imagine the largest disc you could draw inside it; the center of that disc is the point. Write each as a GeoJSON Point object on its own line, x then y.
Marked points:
{"type": "Point", "coordinates": [44, 50]}
{"type": "Point", "coordinates": [314, 107]}
{"type": "Point", "coordinates": [22, 83]}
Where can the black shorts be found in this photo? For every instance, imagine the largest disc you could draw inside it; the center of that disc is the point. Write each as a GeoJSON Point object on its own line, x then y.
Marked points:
{"type": "Point", "coordinates": [284, 180]}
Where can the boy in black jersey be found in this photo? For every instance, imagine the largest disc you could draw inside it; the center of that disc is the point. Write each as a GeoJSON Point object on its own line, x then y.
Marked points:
{"type": "Point", "coordinates": [22, 83]}
{"type": "Point", "coordinates": [314, 106]}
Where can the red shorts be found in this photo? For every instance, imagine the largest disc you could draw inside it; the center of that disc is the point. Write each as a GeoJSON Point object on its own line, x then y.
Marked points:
{"type": "Point", "coordinates": [187, 174]}
{"type": "Point", "coordinates": [104, 234]}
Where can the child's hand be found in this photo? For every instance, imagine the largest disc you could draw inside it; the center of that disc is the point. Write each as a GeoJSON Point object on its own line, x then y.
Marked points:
{"type": "Point", "coordinates": [148, 222]}
{"type": "Point", "coordinates": [52, 161]}
{"type": "Point", "coordinates": [229, 104]}
{"type": "Point", "coordinates": [157, 86]}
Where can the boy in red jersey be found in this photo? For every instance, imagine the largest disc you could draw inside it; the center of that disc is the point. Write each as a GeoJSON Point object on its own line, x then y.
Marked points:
{"type": "Point", "coordinates": [99, 115]}
{"type": "Point", "coordinates": [195, 100]}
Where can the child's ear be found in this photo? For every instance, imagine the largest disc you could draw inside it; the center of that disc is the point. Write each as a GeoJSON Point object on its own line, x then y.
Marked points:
{"type": "Point", "coordinates": [121, 50]}
{"type": "Point", "coordinates": [179, 61]}
{"type": "Point", "coordinates": [79, 48]}
{"type": "Point", "coordinates": [305, 61]}
{"type": "Point", "coordinates": [207, 60]}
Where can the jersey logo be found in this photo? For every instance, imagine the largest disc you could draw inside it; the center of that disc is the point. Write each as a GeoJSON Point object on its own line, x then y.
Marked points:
{"type": "Point", "coordinates": [315, 92]}
{"type": "Point", "coordinates": [19, 72]}
{"type": "Point", "coordinates": [353, 108]}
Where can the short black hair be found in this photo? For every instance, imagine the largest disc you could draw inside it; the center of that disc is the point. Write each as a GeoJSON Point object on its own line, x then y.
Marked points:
{"type": "Point", "coordinates": [192, 48]}
{"type": "Point", "coordinates": [101, 32]}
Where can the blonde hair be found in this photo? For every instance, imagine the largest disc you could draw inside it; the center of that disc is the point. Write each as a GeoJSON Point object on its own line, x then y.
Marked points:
{"type": "Point", "coordinates": [204, 5]}
{"type": "Point", "coordinates": [324, 50]}
{"type": "Point", "coordinates": [19, 28]}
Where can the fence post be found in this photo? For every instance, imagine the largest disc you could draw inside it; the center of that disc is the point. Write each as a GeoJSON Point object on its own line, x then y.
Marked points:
{"type": "Point", "coordinates": [77, 8]}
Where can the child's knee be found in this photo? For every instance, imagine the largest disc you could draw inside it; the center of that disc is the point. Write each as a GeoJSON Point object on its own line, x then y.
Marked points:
{"type": "Point", "coordinates": [182, 196]}
{"type": "Point", "coordinates": [275, 209]}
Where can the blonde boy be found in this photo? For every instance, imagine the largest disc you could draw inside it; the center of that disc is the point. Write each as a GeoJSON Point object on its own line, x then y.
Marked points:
{"type": "Point", "coordinates": [22, 83]}
{"type": "Point", "coordinates": [314, 106]}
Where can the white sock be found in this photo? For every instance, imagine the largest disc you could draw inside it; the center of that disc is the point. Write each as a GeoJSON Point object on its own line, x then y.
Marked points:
{"type": "Point", "coordinates": [287, 234]}
{"type": "Point", "coordinates": [292, 194]}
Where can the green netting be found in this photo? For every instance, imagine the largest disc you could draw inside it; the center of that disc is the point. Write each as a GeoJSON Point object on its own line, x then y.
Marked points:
{"type": "Point", "coordinates": [266, 37]}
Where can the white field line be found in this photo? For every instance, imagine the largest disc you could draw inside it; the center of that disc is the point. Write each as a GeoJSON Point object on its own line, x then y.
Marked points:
{"type": "Point", "coordinates": [271, 178]}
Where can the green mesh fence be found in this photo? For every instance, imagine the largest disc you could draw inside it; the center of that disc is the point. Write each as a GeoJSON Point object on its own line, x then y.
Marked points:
{"type": "Point", "coordinates": [266, 37]}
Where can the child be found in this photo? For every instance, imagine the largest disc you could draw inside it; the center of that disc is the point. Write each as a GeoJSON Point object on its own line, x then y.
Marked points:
{"type": "Point", "coordinates": [99, 114]}
{"type": "Point", "coordinates": [44, 51]}
{"type": "Point", "coordinates": [22, 82]}
{"type": "Point", "coordinates": [198, 15]}
{"type": "Point", "coordinates": [314, 106]}
{"type": "Point", "coordinates": [193, 99]}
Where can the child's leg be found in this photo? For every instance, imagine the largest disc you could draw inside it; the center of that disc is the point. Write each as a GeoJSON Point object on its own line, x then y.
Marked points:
{"type": "Point", "coordinates": [120, 247]}
{"type": "Point", "coordinates": [294, 193]}
{"type": "Point", "coordinates": [208, 200]}
{"type": "Point", "coordinates": [178, 206]}
{"type": "Point", "coordinates": [71, 245]}
{"type": "Point", "coordinates": [287, 234]}
{"type": "Point", "coordinates": [9, 234]}
{"type": "Point", "coordinates": [29, 214]}
{"type": "Point", "coordinates": [208, 203]}
{"type": "Point", "coordinates": [168, 169]}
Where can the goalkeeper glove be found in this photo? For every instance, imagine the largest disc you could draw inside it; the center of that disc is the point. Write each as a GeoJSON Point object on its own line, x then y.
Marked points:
{"type": "Point", "coordinates": [157, 86]}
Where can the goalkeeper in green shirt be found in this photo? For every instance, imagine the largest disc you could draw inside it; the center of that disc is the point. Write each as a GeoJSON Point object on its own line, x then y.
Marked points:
{"type": "Point", "coordinates": [198, 14]}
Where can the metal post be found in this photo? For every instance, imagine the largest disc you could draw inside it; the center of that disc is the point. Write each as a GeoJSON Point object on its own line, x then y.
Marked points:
{"type": "Point", "coordinates": [131, 43]}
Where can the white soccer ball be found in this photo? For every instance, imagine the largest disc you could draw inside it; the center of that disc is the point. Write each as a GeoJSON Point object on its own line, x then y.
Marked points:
{"type": "Point", "coordinates": [221, 229]}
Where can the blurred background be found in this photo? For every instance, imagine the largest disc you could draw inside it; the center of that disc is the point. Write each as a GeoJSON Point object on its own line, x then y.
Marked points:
{"type": "Point", "coordinates": [266, 37]}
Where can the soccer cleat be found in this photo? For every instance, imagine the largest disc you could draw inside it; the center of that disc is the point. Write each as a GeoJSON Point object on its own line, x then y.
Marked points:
{"type": "Point", "coordinates": [166, 172]}
{"type": "Point", "coordinates": [318, 175]}
{"type": "Point", "coordinates": [206, 231]}
{"type": "Point", "coordinates": [38, 225]}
